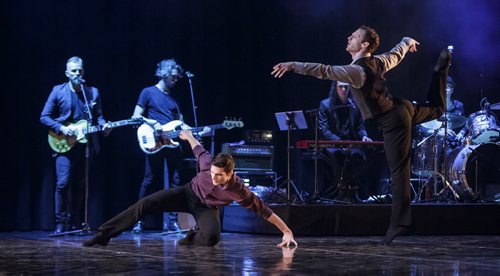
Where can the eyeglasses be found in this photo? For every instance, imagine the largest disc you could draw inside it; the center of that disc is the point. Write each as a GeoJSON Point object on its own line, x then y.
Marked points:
{"type": "Point", "coordinates": [343, 86]}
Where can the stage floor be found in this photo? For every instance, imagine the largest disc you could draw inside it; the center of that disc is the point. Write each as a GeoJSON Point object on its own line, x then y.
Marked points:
{"type": "Point", "coordinates": [243, 254]}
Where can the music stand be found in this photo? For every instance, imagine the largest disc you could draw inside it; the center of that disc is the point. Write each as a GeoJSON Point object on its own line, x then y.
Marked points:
{"type": "Point", "coordinates": [290, 120]}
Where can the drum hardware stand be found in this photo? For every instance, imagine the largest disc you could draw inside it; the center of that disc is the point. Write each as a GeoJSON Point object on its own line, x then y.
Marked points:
{"type": "Point", "coordinates": [418, 194]}
{"type": "Point", "coordinates": [436, 195]}
{"type": "Point", "coordinates": [422, 181]}
{"type": "Point", "coordinates": [436, 173]}
{"type": "Point", "coordinates": [415, 192]}
{"type": "Point", "coordinates": [446, 185]}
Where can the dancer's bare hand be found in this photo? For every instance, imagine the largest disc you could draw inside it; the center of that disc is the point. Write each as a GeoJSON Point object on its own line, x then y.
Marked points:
{"type": "Point", "coordinates": [282, 68]}
{"type": "Point", "coordinates": [413, 44]}
{"type": "Point", "coordinates": [287, 239]}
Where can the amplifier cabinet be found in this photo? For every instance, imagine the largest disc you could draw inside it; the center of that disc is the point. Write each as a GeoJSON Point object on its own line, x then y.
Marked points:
{"type": "Point", "coordinates": [253, 178]}
{"type": "Point", "coordinates": [250, 157]}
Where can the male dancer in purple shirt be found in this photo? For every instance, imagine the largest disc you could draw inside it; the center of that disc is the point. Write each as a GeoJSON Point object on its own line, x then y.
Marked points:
{"type": "Point", "coordinates": [213, 187]}
{"type": "Point", "coordinates": [393, 115]}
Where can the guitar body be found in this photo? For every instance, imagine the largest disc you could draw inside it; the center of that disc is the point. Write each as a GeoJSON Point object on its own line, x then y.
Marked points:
{"type": "Point", "coordinates": [151, 141]}
{"type": "Point", "coordinates": [61, 143]}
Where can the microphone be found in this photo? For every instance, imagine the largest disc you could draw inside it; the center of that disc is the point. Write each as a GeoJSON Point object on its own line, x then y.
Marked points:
{"type": "Point", "coordinates": [351, 103]}
{"type": "Point", "coordinates": [189, 74]}
{"type": "Point", "coordinates": [450, 49]}
{"type": "Point", "coordinates": [80, 80]}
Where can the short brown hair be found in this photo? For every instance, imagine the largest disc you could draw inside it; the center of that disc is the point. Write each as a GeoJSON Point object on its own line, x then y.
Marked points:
{"type": "Point", "coordinates": [225, 161]}
{"type": "Point", "coordinates": [371, 37]}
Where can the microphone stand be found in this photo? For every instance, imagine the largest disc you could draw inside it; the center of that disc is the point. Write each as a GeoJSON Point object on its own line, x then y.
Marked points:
{"type": "Point", "coordinates": [192, 100]}
{"type": "Point", "coordinates": [190, 77]}
{"type": "Point", "coordinates": [85, 226]}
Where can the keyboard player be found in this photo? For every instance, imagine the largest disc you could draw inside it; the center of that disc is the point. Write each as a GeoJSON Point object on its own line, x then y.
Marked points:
{"type": "Point", "coordinates": [340, 120]}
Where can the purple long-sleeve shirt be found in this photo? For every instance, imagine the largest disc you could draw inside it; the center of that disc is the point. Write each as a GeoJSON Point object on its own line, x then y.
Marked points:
{"type": "Point", "coordinates": [215, 196]}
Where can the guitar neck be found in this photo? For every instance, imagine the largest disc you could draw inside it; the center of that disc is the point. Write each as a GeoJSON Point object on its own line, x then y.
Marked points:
{"type": "Point", "coordinates": [176, 133]}
{"type": "Point", "coordinates": [93, 129]}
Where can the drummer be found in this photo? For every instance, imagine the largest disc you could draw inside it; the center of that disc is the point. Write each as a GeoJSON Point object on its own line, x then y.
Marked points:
{"type": "Point", "coordinates": [452, 105]}
{"type": "Point", "coordinates": [454, 113]}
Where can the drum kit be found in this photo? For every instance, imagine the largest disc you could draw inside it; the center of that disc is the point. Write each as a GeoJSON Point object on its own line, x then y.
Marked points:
{"type": "Point", "coordinates": [449, 167]}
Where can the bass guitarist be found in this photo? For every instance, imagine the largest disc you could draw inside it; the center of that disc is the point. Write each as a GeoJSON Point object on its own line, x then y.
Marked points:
{"type": "Point", "coordinates": [66, 105]}
{"type": "Point", "coordinates": [157, 106]}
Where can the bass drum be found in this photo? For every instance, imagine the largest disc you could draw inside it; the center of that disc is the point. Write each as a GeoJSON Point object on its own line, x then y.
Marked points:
{"type": "Point", "coordinates": [476, 168]}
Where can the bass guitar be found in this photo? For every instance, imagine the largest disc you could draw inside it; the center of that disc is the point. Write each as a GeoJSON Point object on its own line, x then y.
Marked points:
{"type": "Point", "coordinates": [151, 140]}
{"type": "Point", "coordinates": [61, 143]}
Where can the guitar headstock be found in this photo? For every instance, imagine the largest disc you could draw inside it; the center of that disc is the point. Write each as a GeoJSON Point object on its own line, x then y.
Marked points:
{"type": "Point", "coordinates": [232, 123]}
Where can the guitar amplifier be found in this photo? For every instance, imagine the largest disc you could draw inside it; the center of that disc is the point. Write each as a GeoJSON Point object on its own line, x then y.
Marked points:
{"type": "Point", "coordinates": [250, 157]}
{"type": "Point", "coordinates": [259, 137]}
{"type": "Point", "coordinates": [254, 179]}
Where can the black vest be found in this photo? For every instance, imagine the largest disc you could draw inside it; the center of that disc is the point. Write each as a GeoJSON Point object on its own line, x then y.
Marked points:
{"type": "Point", "coordinates": [373, 97]}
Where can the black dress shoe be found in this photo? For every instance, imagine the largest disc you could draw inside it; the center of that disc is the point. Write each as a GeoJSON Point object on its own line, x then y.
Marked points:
{"type": "Point", "coordinates": [97, 239]}
{"type": "Point", "coordinates": [59, 228]}
{"type": "Point", "coordinates": [174, 227]}
{"type": "Point", "coordinates": [188, 239]}
{"type": "Point", "coordinates": [137, 228]}
{"type": "Point", "coordinates": [393, 232]}
{"type": "Point", "coordinates": [443, 61]}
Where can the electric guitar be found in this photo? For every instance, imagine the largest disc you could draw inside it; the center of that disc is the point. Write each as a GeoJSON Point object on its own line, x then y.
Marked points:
{"type": "Point", "coordinates": [61, 143]}
{"type": "Point", "coordinates": [151, 141]}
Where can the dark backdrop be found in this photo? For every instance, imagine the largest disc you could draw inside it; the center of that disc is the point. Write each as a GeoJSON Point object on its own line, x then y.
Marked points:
{"type": "Point", "coordinates": [231, 47]}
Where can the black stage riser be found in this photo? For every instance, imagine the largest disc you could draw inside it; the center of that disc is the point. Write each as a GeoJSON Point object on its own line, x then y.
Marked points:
{"type": "Point", "coordinates": [368, 220]}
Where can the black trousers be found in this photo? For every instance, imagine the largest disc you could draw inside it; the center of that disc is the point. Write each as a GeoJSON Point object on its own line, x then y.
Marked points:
{"type": "Point", "coordinates": [180, 199]}
{"type": "Point", "coordinates": [396, 126]}
{"type": "Point", "coordinates": [69, 191]}
{"type": "Point", "coordinates": [168, 160]}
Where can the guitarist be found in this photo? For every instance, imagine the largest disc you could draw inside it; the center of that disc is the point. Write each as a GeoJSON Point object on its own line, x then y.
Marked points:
{"type": "Point", "coordinates": [157, 106]}
{"type": "Point", "coordinates": [65, 105]}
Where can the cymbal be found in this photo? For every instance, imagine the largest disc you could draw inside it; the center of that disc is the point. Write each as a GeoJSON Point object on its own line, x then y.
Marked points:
{"type": "Point", "coordinates": [495, 106]}
{"type": "Point", "coordinates": [434, 124]}
{"type": "Point", "coordinates": [453, 121]}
